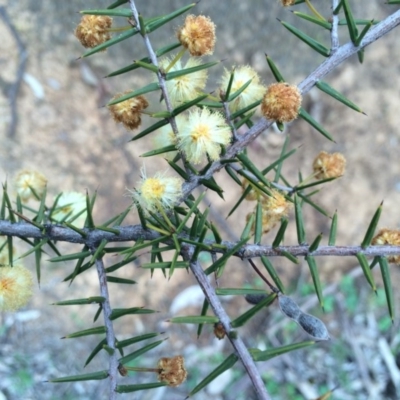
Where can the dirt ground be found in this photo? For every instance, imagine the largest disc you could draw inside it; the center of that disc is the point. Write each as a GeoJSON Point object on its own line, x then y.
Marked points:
{"type": "Point", "coordinates": [65, 132]}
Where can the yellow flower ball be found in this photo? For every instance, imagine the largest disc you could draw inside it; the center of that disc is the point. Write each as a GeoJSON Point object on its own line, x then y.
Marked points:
{"type": "Point", "coordinates": [197, 35]}
{"type": "Point", "coordinates": [15, 287]}
{"type": "Point", "coordinates": [281, 102]}
{"type": "Point", "coordinates": [128, 112]}
{"type": "Point", "coordinates": [30, 184]}
{"type": "Point", "coordinates": [93, 30]}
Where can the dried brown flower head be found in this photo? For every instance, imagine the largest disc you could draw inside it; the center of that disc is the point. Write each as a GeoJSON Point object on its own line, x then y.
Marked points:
{"type": "Point", "coordinates": [219, 331]}
{"type": "Point", "coordinates": [281, 102]}
{"type": "Point", "coordinates": [197, 35]}
{"type": "Point", "coordinates": [122, 370]}
{"type": "Point", "coordinates": [287, 3]}
{"type": "Point", "coordinates": [93, 30]}
{"type": "Point", "coordinates": [128, 112]}
{"type": "Point", "coordinates": [276, 204]}
{"type": "Point", "coordinates": [388, 237]}
{"type": "Point", "coordinates": [172, 370]}
{"type": "Point", "coordinates": [274, 208]}
{"type": "Point", "coordinates": [328, 165]}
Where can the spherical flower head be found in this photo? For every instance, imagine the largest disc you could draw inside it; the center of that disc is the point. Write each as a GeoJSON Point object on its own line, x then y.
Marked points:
{"type": "Point", "coordinates": [251, 94]}
{"type": "Point", "coordinates": [166, 137]}
{"type": "Point", "coordinates": [93, 30]}
{"type": "Point", "coordinates": [15, 287]}
{"type": "Point", "coordinates": [197, 35]}
{"type": "Point", "coordinates": [388, 237]}
{"type": "Point", "coordinates": [328, 165]}
{"type": "Point", "coordinates": [128, 112]}
{"type": "Point", "coordinates": [203, 135]}
{"type": "Point", "coordinates": [281, 102]}
{"type": "Point", "coordinates": [172, 370]}
{"type": "Point", "coordinates": [274, 207]}
{"type": "Point", "coordinates": [287, 3]}
{"type": "Point", "coordinates": [70, 204]}
{"type": "Point", "coordinates": [30, 184]}
{"type": "Point", "coordinates": [276, 204]}
{"type": "Point", "coordinates": [185, 87]}
{"type": "Point", "coordinates": [158, 191]}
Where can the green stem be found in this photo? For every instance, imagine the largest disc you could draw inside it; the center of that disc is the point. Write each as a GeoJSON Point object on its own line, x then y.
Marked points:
{"type": "Point", "coordinates": [314, 11]}
{"type": "Point", "coordinates": [176, 59]}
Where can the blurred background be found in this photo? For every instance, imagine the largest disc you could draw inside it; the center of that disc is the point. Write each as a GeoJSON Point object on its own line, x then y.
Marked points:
{"type": "Point", "coordinates": [64, 131]}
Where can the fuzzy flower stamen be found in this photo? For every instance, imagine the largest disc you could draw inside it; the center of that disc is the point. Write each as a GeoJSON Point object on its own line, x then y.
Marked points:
{"type": "Point", "coordinates": [172, 370]}
{"type": "Point", "coordinates": [287, 3]}
{"type": "Point", "coordinates": [197, 35]}
{"type": "Point", "coordinates": [185, 87]}
{"type": "Point", "coordinates": [328, 165]}
{"type": "Point", "coordinates": [128, 112]}
{"type": "Point", "coordinates": [281, 102]}
{"type": "Point", "coordinates": [203, 136]}
{"type": "Point", "coordinates": [166, 137]}
{"type": "Point", "coordinates": [93, 30]}
{"type": "Point", "coordinates": [15, 287]}
{"type": "Point", "coordinates": [30, 184]}
{"type": "Point", "coordinates": [274, 208]}
{"type": "Point", "coordinates": [70, 204]}
{"type": "Point", "coordinates": [251, 94]}
{"type": "Point", "coordinates": [158, 191]}
{"type": "Point", "coordinates": [388, 237]}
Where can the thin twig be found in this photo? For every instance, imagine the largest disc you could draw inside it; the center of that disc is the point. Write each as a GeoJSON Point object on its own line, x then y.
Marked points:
{"type": "Point", "coordinates": [229, 121]}
{"type": "Point", "coordinates": [224, 319]}
{"type": "Point", "coordinates": [161, 81]}
{"type": "Point", "coordinates": [110, 336]}
{"type": "Point", "coordinates": [272, 287]}
{"type": "Point", "coordinates": [14, 87]}
{"type": "Point", "coordinates": [334, 30]}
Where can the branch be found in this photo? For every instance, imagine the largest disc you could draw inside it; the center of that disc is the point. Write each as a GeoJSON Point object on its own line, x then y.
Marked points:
{"type": "Point", "coordinates": [335, 59]}
{"type": "Point", "coordinates": [135, 232]}
{"type": "Point", "coordinates": [334, 30]}
{"type": "Point", "coordinates": [113, 361]}
{"type": "Point", "coordinates": [236, 341]}
{"type": "Point", "coordinates": [161, 81]}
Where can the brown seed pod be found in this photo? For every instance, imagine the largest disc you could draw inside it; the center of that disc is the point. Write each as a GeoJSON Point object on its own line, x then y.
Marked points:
{"type": "Point", "coordinates": [254, 298]}
{"type": "Point", "coordinates": [219, 331]}
{"type": "Point", "coordinates": [122, 370]}
{"type": "Point", "coordinates": [289, 307]}
{"type": "Point", "coordinates": [313, 326]}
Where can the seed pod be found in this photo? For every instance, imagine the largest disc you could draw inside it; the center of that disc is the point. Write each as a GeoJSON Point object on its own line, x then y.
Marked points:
{"type": "Point", "coordinates": [219, 331]}
{"type": "Point", "coordinates": [289, 307]}
{"type": "Point", "coordinates": [313, 326]}
{"type": "Point", "coordinates": [254, 298]}
{"type": "Point", "coordinates": [122, 370]}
